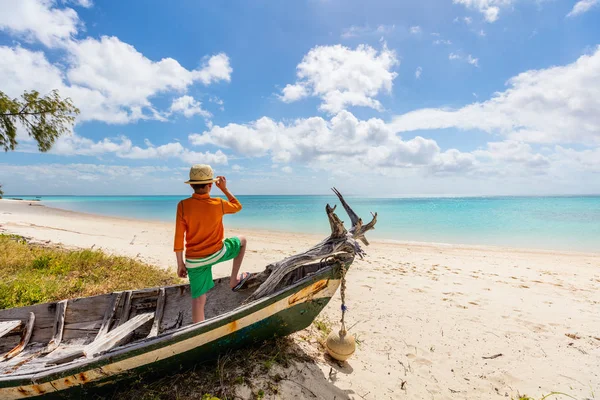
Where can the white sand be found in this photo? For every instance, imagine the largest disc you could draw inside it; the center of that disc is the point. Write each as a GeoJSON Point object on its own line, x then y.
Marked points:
{"type": "Point", "coordinates": [426, 314]}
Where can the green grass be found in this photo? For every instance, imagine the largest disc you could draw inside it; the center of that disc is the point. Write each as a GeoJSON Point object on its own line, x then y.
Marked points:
{"type": "Point", "coordinates": [31, 274]}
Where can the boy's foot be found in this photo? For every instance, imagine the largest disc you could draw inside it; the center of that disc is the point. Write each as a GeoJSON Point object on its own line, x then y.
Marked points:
{"type": "Point", "coordinates": [243, 277]}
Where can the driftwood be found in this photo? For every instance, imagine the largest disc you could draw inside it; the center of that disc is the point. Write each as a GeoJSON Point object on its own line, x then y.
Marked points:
{"type": "Point", "coordinates": [340, 241]}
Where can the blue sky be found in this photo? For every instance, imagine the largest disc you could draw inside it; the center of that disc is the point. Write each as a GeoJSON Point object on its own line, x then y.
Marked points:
{"type": "Point", "coordinates": [463, 97]}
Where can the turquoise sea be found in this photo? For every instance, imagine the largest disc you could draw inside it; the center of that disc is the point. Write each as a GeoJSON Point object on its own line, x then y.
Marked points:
{"type": "Point", "coordinates": [562, 223]}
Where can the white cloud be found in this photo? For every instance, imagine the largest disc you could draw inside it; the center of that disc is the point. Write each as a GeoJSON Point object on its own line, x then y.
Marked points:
{"type": "Point", "coordinates": [81, 3]}
{"type": "Point", "coordinates": [124, 148]}
{"type": "Point", "coordinates": [293, 93]}
{"type": "Point", "coordinates": [236, 167]}
{"type": "Point", "coordinates": [472, 60]}
{"type": "Point", "coordinates": [513, 152]}
{"type": "Point", "coordinates": [418, 72]}
{"type": "Point", "coordinates": [582, 7]}
{"type": "Point", "coordinates": [442, 41]}
{"type": "Point", "coordinates": [359, 31]}
{"type": "Point", "coordinates": [90, 179]}
{"type": "Point", "coordinates": [468, 20]}
{"type": "Point", "coordinates": [554, 105]}
{"type": "Point", "coordinates": [107, 79]}
{"type": "Point", "coordinates": [38, 20]}
{"type": "Point", "coordinates": [287, 169]}
{"type": "Point", "coordinates": [189, 107]}
{"type": "Point", "coordinates": [343, 77]}
{"type": "Point", "coordinates": [489, 8]}
{"type": "Point", "coordinates": [415, 30]}
{"type": "Point", "coordinates": [216, 68]}
{"type": "Point", "coordinates": [469, 58]}
{"type": "Point", "coordinates": [316, 141]}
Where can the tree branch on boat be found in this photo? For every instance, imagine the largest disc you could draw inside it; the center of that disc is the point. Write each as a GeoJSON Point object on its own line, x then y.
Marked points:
{"type": "Point", "coordinates": [340, 241]}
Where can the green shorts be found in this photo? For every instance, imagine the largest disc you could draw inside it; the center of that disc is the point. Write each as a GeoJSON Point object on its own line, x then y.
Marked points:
{"type": "Point", "coordinates": [200, 269]}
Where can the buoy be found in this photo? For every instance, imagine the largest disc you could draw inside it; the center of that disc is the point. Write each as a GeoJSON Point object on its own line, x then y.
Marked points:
{"type": "Point", "coordinates": [340, 345]}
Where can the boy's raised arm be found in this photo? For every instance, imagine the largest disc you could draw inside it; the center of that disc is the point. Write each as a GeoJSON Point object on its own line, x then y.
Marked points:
{"type": "Point", "coordinates": [232, 205]}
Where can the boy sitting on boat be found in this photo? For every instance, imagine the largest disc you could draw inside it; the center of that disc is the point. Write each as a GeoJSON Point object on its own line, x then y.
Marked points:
{"type": "Point", "coordinates": [200, 218]}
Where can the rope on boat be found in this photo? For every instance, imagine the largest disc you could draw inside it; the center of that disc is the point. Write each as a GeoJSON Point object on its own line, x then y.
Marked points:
{"type": "Point", "coordinates": [343, 295]}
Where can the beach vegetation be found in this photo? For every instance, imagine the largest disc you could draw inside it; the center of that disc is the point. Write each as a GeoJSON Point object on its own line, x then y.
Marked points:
{"type": "Point", "coordinates": [31, 274]}
{"type": "Point", "coordinates": [245, 373]}
{"type": "Point", "coordinates": [44, 118]}
{"type": "Point", "coordinates": [1, 192]}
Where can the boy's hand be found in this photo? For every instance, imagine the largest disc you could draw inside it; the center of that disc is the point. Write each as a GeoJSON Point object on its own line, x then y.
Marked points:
{"type": "Point", "coordinates": [181, 271]}
{"type": "Point", "coordinates": [221, 183]}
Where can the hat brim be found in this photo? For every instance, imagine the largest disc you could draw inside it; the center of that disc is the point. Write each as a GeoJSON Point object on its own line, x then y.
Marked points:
{"type": "Point", "coordinates": [203, 182]}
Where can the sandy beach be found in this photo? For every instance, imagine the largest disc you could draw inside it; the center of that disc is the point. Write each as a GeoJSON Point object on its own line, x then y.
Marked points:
{"type": "Point", "coordinates": [434, 321]}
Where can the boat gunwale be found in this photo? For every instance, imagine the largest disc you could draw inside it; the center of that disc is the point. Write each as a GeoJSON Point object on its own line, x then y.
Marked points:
{"type": "Point", "coordinates": [167, 338]}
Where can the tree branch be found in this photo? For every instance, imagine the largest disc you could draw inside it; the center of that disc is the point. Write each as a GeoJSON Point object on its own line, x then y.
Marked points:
{"type": "Point", "coordinates": [28, 113]}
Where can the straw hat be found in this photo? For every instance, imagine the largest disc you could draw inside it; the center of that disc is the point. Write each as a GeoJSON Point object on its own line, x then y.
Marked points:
{"type": "Point", "coordinates": [200, 174]}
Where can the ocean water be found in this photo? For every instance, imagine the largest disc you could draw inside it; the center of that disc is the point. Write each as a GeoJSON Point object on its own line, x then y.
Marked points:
{"type": "Point", "coordinates": [561, 223]}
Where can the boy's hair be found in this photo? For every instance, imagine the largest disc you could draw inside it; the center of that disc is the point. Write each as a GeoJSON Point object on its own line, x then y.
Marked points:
{"type": "Point", "coordinates": [197, 186]}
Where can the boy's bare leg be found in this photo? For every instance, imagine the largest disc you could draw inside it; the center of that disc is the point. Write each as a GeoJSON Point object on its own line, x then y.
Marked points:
{"type": "Point", "coordinates": [198, 308]}
{"type": "Point", "coordinates": [237, 263]}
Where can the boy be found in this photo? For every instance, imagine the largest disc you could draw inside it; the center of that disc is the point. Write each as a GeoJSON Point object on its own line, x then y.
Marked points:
{"type": "Point", "coordinates": [200, 217]}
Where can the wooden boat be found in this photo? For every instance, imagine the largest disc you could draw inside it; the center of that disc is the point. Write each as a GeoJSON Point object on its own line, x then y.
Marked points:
{"type": "Point", "coordinates": [62, 347]}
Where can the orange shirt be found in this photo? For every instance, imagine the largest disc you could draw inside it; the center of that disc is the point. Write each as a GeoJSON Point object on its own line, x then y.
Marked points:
{"type": "Point", "coordinates": [201, 219]}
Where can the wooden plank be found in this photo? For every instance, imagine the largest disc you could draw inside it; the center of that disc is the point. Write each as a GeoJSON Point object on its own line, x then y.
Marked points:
{"type": "Point", "coordinates": [117, 336]}
{"type": "Point", "coordinates": [8, 326]}
{"type": "Point", "coordinates": [158, 314]}
{"type": "Point", "coordinates": [126, 308]}
{"type": "Point", "coordinates": [109, 315]}
{"type": "Point", "coordinates": [24, 339]}
{"type": "Point", "coordinates": [59, 326]}
{"type": "Point", "coordinates": [65, 358]}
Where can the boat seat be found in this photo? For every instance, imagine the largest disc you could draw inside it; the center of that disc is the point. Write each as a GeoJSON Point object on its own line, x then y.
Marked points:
{"type": "Point", "coordinates": [7, 327]}
{"type": "Point", "coordinates": [117, 336]}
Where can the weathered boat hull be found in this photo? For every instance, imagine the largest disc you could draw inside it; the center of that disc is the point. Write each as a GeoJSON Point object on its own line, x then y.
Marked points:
{"type": "Point", "coordinates": [290, 310]}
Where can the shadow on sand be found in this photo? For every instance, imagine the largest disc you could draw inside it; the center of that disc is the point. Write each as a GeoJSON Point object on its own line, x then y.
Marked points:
{"type": "Point", "coordinates": [275, 369]}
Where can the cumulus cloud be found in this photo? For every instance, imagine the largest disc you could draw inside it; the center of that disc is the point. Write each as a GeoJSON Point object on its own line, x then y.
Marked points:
{"type": "Point", "coordinates": [123, 147]}
{"type": "Point", "coordinates": [189, 107]}
{"type": "Point", "coordinates": [582, 7]}
{"type": "Point", "coordinates": [442, 41]}
{"type": "Point", "coordinates": [489, 8]}
{"type": "Point", "coordinates": [554, 105]}
{"type": "Point", "coordinates": [343, 77]}
{"type": "Point", "coordinates": [415, 30]}
{"type": "Point", "coordinates": [39, 20]}
{"type": "Point", "coordinates": [107, 79]}
{"type": "Point", "coordinates": [316, 140]}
